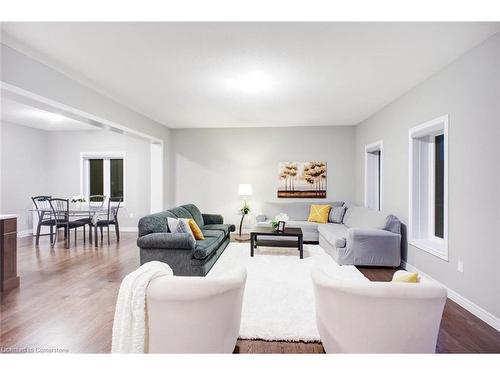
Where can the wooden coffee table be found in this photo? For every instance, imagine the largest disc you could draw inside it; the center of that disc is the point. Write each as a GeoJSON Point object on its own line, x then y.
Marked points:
{"type": "Point", "coordinates": [289, 232]}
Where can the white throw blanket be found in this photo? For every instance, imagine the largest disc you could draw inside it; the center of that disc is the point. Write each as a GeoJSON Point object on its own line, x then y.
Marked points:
{"type": "Point", "coordinates": [129, 327]}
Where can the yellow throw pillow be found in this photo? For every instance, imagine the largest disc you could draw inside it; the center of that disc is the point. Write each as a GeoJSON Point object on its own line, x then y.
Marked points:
{"type": "Point", "coordinates": [319, 213]}
{"type": "Point", "coordinates": [405, 277]}
{"type": "Point", "coordinates": [197, 233]}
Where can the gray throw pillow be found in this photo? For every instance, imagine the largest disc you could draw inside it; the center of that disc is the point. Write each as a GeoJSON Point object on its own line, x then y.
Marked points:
{"type": "Point", "coordinates": [336, 214]}
{"type": "Point", "coordinates": [393, 224]}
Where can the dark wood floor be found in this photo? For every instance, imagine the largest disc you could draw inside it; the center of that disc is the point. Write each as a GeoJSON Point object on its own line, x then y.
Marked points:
{"type": "Point", "coordinates": [67, 297]}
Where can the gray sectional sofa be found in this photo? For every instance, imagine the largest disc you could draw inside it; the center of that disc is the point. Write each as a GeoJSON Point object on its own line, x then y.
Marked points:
{"type": "Point", "coordinates": [185, 255]}
{"type": "Point", "coordinates": [364, 237]}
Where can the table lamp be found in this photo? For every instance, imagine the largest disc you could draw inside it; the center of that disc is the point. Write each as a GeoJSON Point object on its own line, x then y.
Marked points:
{"type": "Point", "coordinates": [244, 191]}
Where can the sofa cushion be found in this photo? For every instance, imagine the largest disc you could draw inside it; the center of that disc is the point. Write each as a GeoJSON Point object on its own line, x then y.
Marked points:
{"type": "Point", "coordinates": [225, 228]}
{"type": "Point", "coordinates": [181, 212]}
{"type": "Point", "coordinates": [206, 247]}
{"type": "Point", "coordinates": [298, 211]}
{"type": "Point", "coordinates": [319, 213]}
{"type": "Point", "coordinates": [197, 233]}
{"type": "Point", "coordinates": [155, 223]}
{"type": "Point", "coordinates": [211, 233]}
{"type": "Point", "coordinates": [306, 226]}
{"type": "Point", "coordinates": [393, 224]}
{"type": "Point", "coordinates": [337, 215]}
{"type": "Point", "coordinates": [334, 234]}
{"type": "Point", "coordinates": [361, 217]}
{"type": "Point", "coordinates": [195, 213]}
{"type": "Point", "coordinates": [179, 226]}
{"type": "Point", "coordinates": [403, 276]}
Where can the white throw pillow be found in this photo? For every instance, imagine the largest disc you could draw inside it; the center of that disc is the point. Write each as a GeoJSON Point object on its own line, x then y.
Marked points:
{"type": "Point", "coordinates": [175, 226]}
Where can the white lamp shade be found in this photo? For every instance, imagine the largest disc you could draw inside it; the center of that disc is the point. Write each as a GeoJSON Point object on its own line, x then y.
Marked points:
{"type": "Point", "coordinates": [244, 190]}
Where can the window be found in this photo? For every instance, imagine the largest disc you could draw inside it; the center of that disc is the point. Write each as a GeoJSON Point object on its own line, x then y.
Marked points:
{"type": "Point", "coordinates": [428, 218]}
{"type": "Point", "coordinates": [96, 177]}
{"type": "Point", "coordinates": [439, 186]}
{"type": "Point", "coordinates": [103, 174]}
{"type": "Point", "coordinates": [373, 176]}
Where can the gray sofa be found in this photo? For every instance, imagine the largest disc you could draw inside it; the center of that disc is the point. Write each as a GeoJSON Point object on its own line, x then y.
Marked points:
{"type": "Point", "coordinates": [364, 238]}
{"type": "Point", "coordinates": [185, 255]}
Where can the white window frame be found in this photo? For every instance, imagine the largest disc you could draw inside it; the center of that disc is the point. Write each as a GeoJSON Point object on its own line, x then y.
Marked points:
{"type": "Point", "coordinates": [375, 146]}
{"type": "Point", "coordinates": [421, 224]}
{"type": "Point", "coordinates": [84, 172]}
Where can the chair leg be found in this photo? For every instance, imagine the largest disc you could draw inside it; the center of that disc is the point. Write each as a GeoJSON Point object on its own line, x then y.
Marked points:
{"type": "Point", "coordinates": [117, 231]}
{"type": "Point", "coordinates": [101, 235]}
{"type": "Point", "coordinates": [66, 230]}
{"type": "Point", "coordinates": [37, 240]}
{"type": "Point", "coordinates": [53, 236]}
{"type": "Point", "coordinates": [75, 235]}
{"type": "Point", "coordinates": [90, 233]}
{"type": "Point", "coordinates": [108, 234]}
{"type": "Point", "coordinates": [84, 234]}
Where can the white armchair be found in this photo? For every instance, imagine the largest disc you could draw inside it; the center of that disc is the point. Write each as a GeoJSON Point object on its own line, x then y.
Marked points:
{"type": "Point", "coordinates": [377, 317]}
{"type": "Point", "coordinates": [195, 314]}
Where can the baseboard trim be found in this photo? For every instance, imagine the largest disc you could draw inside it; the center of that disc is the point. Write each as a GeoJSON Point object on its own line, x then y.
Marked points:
{"type": "Point", "coordinates": [468, 305]}
{"type": "Point", "coordinates": [24, 233]}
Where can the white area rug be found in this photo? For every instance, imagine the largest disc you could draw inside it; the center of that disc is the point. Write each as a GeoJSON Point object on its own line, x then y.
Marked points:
{"type": "Point", "coordinates": [279, 300]}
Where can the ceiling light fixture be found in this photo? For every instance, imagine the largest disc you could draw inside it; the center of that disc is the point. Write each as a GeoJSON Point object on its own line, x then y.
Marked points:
{"type": "Point", "coordinates": [251, 82]}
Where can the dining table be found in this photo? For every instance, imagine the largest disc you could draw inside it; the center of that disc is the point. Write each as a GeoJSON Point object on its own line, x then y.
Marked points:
{"type": "Point", "coordinates": [95, 213]}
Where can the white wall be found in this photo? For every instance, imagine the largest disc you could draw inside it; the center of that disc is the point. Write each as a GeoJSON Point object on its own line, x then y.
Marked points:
{"type": "Point", "coordinates": [469, 91]}
{"type": "Point", "coordinates": [26, 73]}
{"type": "Point", "coordinates": [38, 162]}
{"type": "Point", "coordinates": [65, 171]}
{"type": "Point", "coordinates": [208, 164]}
{"type": "Point", "coordinates": [24, 156]}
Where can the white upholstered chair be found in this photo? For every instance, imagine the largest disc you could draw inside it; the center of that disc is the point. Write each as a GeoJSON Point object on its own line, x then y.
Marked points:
{"type": "Point", "coordinates": [195, 314]}
{"type": "Point", "coordinates": [377, 317]}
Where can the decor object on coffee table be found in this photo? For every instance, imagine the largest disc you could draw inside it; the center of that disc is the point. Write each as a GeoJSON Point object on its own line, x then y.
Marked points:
{"type": "Point", "coordinates": [244, 191]}
{"type": "Point", "coordinates": [281, 226]}
{"type": "Point", "coordinates": [298, 179]}
{"type": "Point", "coordinates": [280, 217]}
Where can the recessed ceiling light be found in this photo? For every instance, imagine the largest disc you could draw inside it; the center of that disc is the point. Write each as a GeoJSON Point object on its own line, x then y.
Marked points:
{"type": "Point", "coordinates": [251, 82]}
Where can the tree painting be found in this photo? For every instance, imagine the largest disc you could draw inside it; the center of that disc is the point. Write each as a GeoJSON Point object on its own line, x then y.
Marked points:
{"type": "Point", "coordinates": [302, 179]}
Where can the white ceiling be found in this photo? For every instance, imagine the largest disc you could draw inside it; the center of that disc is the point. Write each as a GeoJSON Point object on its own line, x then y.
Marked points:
{"type": "Point", "coordinates": [22, 114]}
{"type": "Point", "coordinates": [190, 74]}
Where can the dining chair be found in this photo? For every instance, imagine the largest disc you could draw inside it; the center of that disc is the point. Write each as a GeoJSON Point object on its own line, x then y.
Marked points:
{"type": "Point", "coordinates": [60, 212]}
{"type": "Point", "coordinates": [95, 201]}
{"type": "Point", "coordinates": [43, 210]}
{"type": "Point", "coordinates": [111, 219]}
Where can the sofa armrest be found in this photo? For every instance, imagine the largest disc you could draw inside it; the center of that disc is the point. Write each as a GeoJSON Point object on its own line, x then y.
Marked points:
{"type": "Point", "coordinates": [167, 241]}
{"type": "Point", "coordinates": [374, 246]}
{"type": "Point", "coordinates": [209, 219]}
{"type": "Point", "coordinates": [361, 234]}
